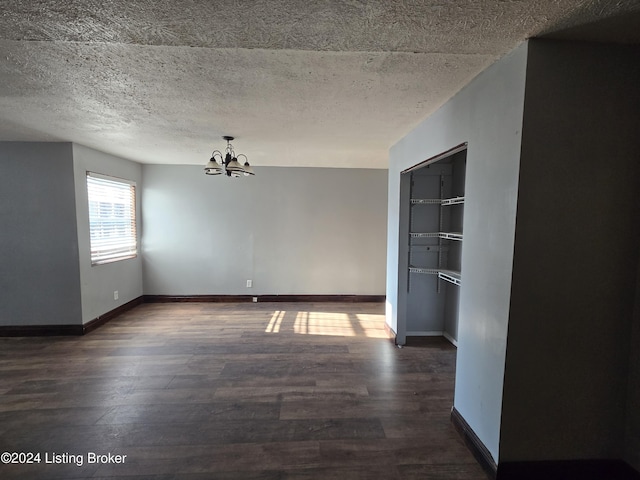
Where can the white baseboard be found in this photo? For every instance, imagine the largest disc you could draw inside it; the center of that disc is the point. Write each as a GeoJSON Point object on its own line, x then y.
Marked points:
{"type": "Point", "coordinates": [450, 338]}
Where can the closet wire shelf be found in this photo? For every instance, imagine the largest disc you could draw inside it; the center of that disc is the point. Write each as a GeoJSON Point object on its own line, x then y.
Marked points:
{"type": "Point", "coordinates": [437, 201]}
{"type": "Point", "coordinates": [450, 276]}
{"type": "Point", "coordinates": [444, 235]}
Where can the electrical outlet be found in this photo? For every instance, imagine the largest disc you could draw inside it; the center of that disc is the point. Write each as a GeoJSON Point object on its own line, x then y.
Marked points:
{"type": "Point", "coordinates": [249, 283]}
{"type": "Point", "coordinates": [115, 294]}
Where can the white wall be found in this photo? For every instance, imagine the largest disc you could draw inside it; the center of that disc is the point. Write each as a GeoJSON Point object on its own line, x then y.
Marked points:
{"type": "Point", "coordinates": [289, 230]}
{"type": "Point", "coordinates": [39, 283]}
{"type": "Point", "coordinates": [488, 115]}
{"type": "Point", "coordinates": [97, 283]}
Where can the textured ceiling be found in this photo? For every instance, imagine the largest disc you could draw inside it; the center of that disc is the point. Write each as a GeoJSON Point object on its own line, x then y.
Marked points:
{"type": "Point", "coordinates": [323, 83]}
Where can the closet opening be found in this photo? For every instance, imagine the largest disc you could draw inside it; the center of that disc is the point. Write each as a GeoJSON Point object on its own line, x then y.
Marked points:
{"type": "Point", "coordinates": [432, 196]}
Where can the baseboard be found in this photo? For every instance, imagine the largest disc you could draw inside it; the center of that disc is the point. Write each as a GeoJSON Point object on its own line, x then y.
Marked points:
{"type": "Point", "coordinates": [567, 469]}
{"type": "Point", "coordinates": [198, 298]}
{"type": "Point", "coordinates": [322, 298]}
{"type": "Point", "coordinates": [264, 298]}
{"type": "Point", "coordinates": [102, 319]}
{"type": "Point", "coordinates": [67, 330]}
{"type": "Point", "coordinates": [40, 330]}
{"type": "Point", "coordinates": [390, 333]}
{"type": "Point", "coordinates": [474, 444]}
{"type": "Point", "coordinates": [452, 340]}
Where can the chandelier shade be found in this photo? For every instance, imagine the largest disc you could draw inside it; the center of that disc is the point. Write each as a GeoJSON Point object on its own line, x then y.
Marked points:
{"type": "Point", "coordinates": [228, 163]}
{"type": "Point", "coordinates": [213, 167]}
{"type": "Point", "coordinates": [248, 169]}
{"type": "Point", "coordinates": [234, 166]}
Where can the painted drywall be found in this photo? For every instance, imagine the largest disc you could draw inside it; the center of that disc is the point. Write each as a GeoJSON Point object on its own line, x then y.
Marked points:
{"type": "Point", "coordinates": [39, 271]}
{"type": "Point", "coordinates": [98, 283]}
{"type": "Point", "coordinates": [289, 230]}
{"type": "Point", "coordinates": [488, 115]}
{"type": "Point", "coordinates": [576, 255]}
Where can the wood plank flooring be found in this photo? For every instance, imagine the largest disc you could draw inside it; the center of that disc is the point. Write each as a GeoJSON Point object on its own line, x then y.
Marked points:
{"type": "Point", "coordinates": [233, 391]}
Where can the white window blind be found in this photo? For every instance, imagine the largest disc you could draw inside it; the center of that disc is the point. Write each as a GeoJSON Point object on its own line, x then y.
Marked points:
{"type": "Point", "coordinates": [112, 218]}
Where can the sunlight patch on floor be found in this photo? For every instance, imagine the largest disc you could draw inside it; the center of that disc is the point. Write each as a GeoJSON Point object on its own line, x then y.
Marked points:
{"type": "Point", "coordinates": [328, 323]}
{"type": "Point", "coordinates": [275, 322]}
{"type": "Point", "coordinates": [372, 324]}
{"type": "Point", "coordinates": [322, 323]}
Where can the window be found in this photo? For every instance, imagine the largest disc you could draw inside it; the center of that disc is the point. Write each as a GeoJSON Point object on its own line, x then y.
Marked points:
{"type": "Point", "coordinates": [112, 218]}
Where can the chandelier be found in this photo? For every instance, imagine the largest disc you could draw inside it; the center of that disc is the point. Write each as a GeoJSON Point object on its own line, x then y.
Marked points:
{"type": "Point", "coordinates": [228, 163]}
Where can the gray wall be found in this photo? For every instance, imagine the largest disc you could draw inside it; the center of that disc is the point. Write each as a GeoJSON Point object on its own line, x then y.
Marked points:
{"type": "Point", "coordinates": [576, 255]}
{"type": "Point", "coordinates": [632, 434]}
{"type": "Point", "coordinates": [488, 115]}
{"type": "Point", "coordinates": [100, 281]}
{"type": "Point", "coordinates": [47, 277]}
{"type": "Point", "coordinates": [39, 281]}
{"type": "Point", "coordinates": [289, 230]}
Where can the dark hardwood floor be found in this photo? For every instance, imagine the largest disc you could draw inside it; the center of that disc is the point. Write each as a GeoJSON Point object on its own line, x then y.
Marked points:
{"type": "Point", "coordinates": [233, 391]}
